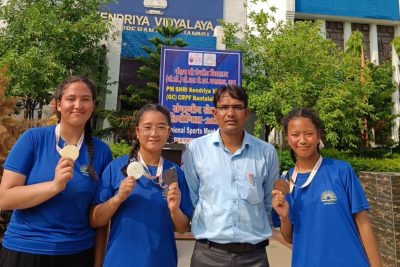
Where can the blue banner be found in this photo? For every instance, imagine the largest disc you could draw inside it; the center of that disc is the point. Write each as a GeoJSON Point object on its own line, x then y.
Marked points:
{"type": "Point", "coordinates": [373, 9]}
{"type": "Point", "coordinates": [194, 16]}
{"type": "Point", "coordinates": [133, 42]}
{"type": "Point", "coordinates": [188, 79]}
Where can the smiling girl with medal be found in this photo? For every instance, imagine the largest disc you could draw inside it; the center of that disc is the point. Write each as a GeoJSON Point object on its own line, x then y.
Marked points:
{"type": "Point", "coordinates": [48, 188]}
{"type": "Point", "coordinates": [325, 214]}
{"type": "Point", "coordinates": [145, 196]}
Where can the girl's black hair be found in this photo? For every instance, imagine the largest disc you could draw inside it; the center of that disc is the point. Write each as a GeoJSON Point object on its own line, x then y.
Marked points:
{"type": "Point", "coordinates": [88, 126]}
{"type": "Point", "coordinates": [302, 113]}
{"type": "Point", "coordinates": [139, 114]}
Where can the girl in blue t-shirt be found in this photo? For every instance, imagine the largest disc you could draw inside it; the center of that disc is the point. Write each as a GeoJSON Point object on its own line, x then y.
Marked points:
{"type": "Point", "coordinates": [145, 210]}
{"type": "Point", "coordinates": [325, 214]}
{"type": "Point", "coordinates": [50, 179]}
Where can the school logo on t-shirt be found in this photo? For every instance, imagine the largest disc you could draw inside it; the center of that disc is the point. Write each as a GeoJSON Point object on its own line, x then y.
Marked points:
{"type": "Point", "coordinates": [84, 169]}
{"type": "Point", "coordinates": [328, 197]}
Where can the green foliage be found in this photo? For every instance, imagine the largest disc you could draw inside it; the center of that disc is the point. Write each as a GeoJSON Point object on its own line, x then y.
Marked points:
{"type": "Point", "coordinates": [375, 165]}
{"type": "Point", "coordinates": [119, 149]}
{"type": "Point", "coordinates": [44, 41]}
{"type": "Point", "coordinates": [378, 160]}
{"type": "Point", "coordinates": [382, 118]}
{"type": "Point", "coordinates": [344, 105]}
{"type": "Point", "coordinates": [285, 160]}
{"type": "Point", "coordinates": [396, 44]}
{"type": "Point", "coordinates": [150, 71]}
{"type": "Point", "coordinates": [121, 124]}
{"type": "Point", "coordinates": [292, 65]}
{"type": "Point", "coordinates": [355, 43]}
{"type": "Point", "coordinates": [367, 160]}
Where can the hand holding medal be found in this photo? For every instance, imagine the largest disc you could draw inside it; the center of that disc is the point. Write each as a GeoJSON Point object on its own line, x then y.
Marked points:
{"type": "Point", "coordinates": [63, 173]}
{"type": "Point", "coordinates": [281, 187]}
{"type": "Point", "coordinates": [168, 178]}
{"type": "Point", "coordinates": [69, 154]}
{"type": "Point", "coordinates": [133, 172]}
{"type": "Point", "coordinates": [126, 187]}
{"type": "Point", "coordinates": [171, 189]}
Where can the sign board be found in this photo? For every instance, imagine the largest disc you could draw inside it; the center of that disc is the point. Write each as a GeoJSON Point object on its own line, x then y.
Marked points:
{"type": "Point", "coordinates": [188, 79]}
{"type": "Point", "coordinates": [194, 16]}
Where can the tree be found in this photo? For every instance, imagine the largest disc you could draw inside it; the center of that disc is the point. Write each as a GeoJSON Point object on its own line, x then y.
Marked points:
{"type": "Point", "coordinates": [10, 127]}
{"type": "Point", "coordinates": [285, 65]}
{"type": "Point", "coordinates": [136, 97]}
{"type": "Point", "coordinates": [362, 103]}
{"type": "Point", "coordinates": [381, 99]}
{"type": "Point", "coordinates": [290, 65]}
{"type": "Point", "coordinates": [44, 41]}
{"type": "Point", "coordinates": [150, 70]}
{"type": "Point", "coordinates": [9, 130]}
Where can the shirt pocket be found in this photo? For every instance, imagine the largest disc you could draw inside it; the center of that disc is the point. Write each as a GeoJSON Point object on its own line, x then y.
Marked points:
{"type": "Point", "coordinates": [250, 190]}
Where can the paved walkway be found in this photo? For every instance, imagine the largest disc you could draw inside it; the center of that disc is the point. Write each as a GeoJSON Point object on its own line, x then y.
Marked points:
{"type": "Point", "coordinates": [279, 252]}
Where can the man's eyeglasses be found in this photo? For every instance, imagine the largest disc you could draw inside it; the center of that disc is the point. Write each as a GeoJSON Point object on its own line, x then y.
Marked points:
{"type": "Point", "coordinates": [235, 108]}
{"type": "Point", "coordinates": [148, 130]}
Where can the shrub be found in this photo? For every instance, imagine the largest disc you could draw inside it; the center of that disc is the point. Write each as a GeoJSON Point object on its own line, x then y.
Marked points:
{"type": "Point", "coordinates": [285, 160]}
{"type": "Point", "coordinates": [119, 149]}
{"type": "Point", "coordinates": [380, 160]}
{"type": "Point", "coordinates": [375, 160]}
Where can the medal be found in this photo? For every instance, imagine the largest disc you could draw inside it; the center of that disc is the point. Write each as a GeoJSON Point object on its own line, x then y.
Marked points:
{"type": "Point", "coordinates": [69, 151]}
{"type": "Point", "coordinates": [282, 185]}
{"type": "Point", "coordinates": [135, 169]}
{"type": "Point", "coordinates": [170, 176]}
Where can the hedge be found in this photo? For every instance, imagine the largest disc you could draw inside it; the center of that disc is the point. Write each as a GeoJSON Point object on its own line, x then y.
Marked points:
{"type": "Point", "coordinates": [382, 160]}
{"type": "Point", "coordinates": [378, 160]}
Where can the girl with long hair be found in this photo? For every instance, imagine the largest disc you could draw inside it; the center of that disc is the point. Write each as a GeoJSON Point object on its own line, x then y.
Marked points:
{"type": "Point", "coordinates": [50, 179]}
{"type": "Point", "coordinates": [147, 209]}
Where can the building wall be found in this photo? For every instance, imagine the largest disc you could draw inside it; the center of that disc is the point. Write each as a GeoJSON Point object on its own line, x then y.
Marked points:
{"type": "Point", "coordinates": [235, 11]}
{"type": "Point", "coordinates": [385, 36]}
{"type": "Point", "coordinates": [335, 32]}
{"type": "Point", "coordinates": [372, 9]}
{"type": "Point", "coordinates": [383, 193]}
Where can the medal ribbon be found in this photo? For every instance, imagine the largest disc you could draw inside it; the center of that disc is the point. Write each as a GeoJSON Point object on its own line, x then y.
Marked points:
{"type": "Point", "coordinates": [159, 167]}
{"type": "Point", "coordinates": [57, 133]}
{"type": "Point", "coordinates": [310, 178]}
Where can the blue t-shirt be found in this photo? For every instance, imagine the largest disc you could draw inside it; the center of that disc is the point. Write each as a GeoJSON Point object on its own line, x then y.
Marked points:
{"type": "Point", "coordinates": [324, 230]}
{"type": "Point", "coordinates": [59, 225]}
{"type": "Point", "coordinates": [141, 233]}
